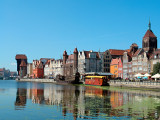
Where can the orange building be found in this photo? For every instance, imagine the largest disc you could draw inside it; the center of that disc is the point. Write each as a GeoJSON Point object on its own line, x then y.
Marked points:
{"type": "Point", "coordinates": [116, 68]}
{"type": "Point", "coordinates": [38, 71]}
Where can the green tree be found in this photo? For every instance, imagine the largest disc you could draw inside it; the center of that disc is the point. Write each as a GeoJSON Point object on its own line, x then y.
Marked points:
{"type": "Point", "coordinates": [156, 68]}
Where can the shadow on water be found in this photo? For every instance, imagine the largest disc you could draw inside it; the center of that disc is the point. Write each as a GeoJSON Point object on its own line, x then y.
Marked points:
{"type": "Point", "coordinates": [89, 102]}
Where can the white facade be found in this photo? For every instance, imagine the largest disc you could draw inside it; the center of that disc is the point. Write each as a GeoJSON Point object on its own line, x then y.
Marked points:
{"type": "Point", "coordinates": [53, 68]}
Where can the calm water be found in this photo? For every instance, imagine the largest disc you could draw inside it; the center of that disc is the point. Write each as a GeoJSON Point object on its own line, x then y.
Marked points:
{"type": "Point", "coordinates": [38, 101]}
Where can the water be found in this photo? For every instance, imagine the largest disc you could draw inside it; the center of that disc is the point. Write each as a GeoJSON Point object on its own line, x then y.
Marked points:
{"type": "Point", "coordinates": [46, 101]}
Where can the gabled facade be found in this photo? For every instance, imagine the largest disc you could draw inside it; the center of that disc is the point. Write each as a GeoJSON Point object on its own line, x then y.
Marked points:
{"type": "Point", "coordinates": [70, 64]}
{"type": "Point", "coordinates": [109, 55]}
{"type": "Point", "coordinates": [90, 61]}
{"type": "Point", "coordinates": [155, 58]}
{"type": "Point", "coordinates": [116, 68]}
{"type": "Point", "coordinates": [38, 69]}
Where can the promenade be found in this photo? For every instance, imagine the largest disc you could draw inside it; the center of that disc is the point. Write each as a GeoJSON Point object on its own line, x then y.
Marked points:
{"type": "Point", "coordinates": [38, 80]}
{"type": "Point", "coordinates": [137, 84]}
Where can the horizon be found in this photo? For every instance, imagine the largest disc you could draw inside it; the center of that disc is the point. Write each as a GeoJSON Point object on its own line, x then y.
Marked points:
{"type": "Point", "coordinates": [41, 29]}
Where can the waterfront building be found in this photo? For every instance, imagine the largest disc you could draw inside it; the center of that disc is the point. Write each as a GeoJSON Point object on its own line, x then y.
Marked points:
{"type": "Point", "coordinates": [57, 67]}
{"type": "Point", "coordinates": [2, 70]}
{"type": "Point", "coordinates": [53, 68]}
{"type": "Point", "coordinates": [47, 69]}
{"type": "Point", "coordinates": [90, 61]}
{"type": "Point", "coordinates": [19, 58]}
{"type": "Point", "coordinates": [141, 60]}
{"type": "Point", "coordinates": [38, 69]}
{"type": "Point", "coordinates": [29, 69]}
{"type": "Point", "coordinates": [109, 55]}
{"type": "Point", "coordinates": [70, 63]}
{"type": "Point", "coordinates": [127, 65]}
{"type": "Point", "coordinates": [127, 61]}
{"type": "Point", "coordinates": [155, 58]}
{"type": "Point", "coordinates": [23, 69]}
{"type": "Point", "coordinates": [116, 68]}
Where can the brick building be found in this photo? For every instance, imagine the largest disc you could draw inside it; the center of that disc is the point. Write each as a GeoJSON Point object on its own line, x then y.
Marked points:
{"type": "Point", "coordinates": [38, 69]}
{"type": "Point", "coordinates": [19, 58]}
{"type": "Point", "coordinates": [70, 64]}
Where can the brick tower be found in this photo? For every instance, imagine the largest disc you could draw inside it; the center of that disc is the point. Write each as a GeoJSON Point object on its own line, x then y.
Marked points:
{"type": "Point", "coordinates": [149, 43]}
{"type": "Point", "coordinates": [75, 65]}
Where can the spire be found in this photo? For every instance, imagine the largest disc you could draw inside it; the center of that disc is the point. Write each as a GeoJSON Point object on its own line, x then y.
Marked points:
{"type": "Point", "coordinates": [149, 25]}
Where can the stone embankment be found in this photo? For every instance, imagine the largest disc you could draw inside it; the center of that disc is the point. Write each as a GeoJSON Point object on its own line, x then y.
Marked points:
{"type": "Point", "coordinates": [144, 84]}
{"type": "Point", "coordinates": [38, 80]}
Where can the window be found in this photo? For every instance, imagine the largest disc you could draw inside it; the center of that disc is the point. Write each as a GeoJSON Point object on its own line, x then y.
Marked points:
{"type": "Point", "coordinates": [155, 56]}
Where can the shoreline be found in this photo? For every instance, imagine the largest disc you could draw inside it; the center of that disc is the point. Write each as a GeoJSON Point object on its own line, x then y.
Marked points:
{"type": "Point", "coordinates": [148, 85]}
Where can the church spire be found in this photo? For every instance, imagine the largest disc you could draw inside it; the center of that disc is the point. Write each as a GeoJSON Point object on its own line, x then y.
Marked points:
{"type": "Point", "coordinates": [149, 25]}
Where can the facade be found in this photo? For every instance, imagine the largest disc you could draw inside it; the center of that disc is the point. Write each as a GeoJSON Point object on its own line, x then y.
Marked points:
{"type": "Point", "coordinates": [53, 68]}
{"type": "Point", "coordinates": [140, 62]}
{"type": "Point", "coordinates": [57, 67]}
{"type": "Point", "coordinates": [23, 69]}
{"type": "Point", "coordinates": [70, 64]}
{"type": "Point", "coordinates": [38, 69]}
{"type": "Point", "coordinates": [116, 68]}
{"type": "Point", "coordinates": [127, 61]}
{"type": "Point", "coordinates": [155, 58]}
{"type": "Point", "coordinates": [29, 69]}
{"type": "Point", "coordinates": [90, 61]}
{"type": "Point", "coordinates": [47, 69]}
{"type": "Point", "coordinates": [19, 58]}
{"type": "Point", "coordinates": [109, 55]}
{"type": "Point", "coordinates": [143, 59]}
{"type": "Point", "coordinates": [2, 72]}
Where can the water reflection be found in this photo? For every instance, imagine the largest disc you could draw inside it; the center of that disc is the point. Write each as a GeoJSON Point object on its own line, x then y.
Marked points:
{"type": "Point", "coordinates": [90, 102]}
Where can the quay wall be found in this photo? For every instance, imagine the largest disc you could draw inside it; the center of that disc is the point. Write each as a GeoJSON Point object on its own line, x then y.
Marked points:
{"type": "Point", "coordinates": [144, 84]}
{"type": "Point", "coordinates": [38, 80]}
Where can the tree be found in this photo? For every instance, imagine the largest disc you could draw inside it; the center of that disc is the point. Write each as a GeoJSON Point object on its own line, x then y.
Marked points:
{"type": "Point", "coordinates": [156, 68]}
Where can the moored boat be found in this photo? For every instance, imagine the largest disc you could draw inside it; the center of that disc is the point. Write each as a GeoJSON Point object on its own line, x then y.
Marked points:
{"type": "Point", "coordinates": [96, 80]}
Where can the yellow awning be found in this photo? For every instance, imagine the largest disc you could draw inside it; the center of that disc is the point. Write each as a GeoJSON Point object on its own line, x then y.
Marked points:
{"type": "Point", "coordinates": [95, 76]}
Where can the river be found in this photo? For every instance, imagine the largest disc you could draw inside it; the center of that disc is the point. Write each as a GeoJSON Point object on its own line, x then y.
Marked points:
{"type": "Point", "coordinates": [47, 101]}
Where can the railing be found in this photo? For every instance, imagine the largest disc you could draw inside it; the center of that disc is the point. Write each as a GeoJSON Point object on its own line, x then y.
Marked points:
{"type": "Point", "coordinates": [140, 82]}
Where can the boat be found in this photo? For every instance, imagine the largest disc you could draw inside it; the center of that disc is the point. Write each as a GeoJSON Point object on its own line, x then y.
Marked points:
{"type": "Point", "coordinates": [96, 80]}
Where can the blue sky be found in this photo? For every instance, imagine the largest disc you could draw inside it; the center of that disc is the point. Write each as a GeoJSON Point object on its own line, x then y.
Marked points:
{"type": "Point", "coordinates": [45, 28]}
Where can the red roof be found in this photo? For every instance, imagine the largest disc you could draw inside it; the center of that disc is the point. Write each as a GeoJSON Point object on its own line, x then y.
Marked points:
{"type": "Point", "coordinates": [23, 63]}
{"type": "Point", "coordinates": [149, 33]}
{"type": "Point", "coordinates": [116, 52]}
{"type": "Point", "coordinates": [1, 70]}
{"type": "Point", "coordinates": [21, 56]}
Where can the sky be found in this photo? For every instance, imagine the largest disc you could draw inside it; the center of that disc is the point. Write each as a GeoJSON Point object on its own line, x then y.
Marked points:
{"type": "Point", "coordinates": [45, 28]}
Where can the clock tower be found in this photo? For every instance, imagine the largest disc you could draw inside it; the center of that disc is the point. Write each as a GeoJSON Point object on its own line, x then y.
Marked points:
{"type": "Point", "coordinates": [149, 43]}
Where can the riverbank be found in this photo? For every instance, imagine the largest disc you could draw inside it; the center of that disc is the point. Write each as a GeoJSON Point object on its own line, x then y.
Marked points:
{"type": "Point", "coordinates": [38, 80]}
{"type": "Point", "coordinates": [144, 84]}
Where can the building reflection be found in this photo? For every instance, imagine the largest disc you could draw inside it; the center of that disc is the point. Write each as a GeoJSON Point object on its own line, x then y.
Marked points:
{"type": "Point", "coordinates": [20, 98]}
{"type": "Point", "coordinates": [88, 101]}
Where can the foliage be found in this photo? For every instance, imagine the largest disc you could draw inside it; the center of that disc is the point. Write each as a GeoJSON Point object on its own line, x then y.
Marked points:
{"type": "Point", "coordinates": [156, 68]}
